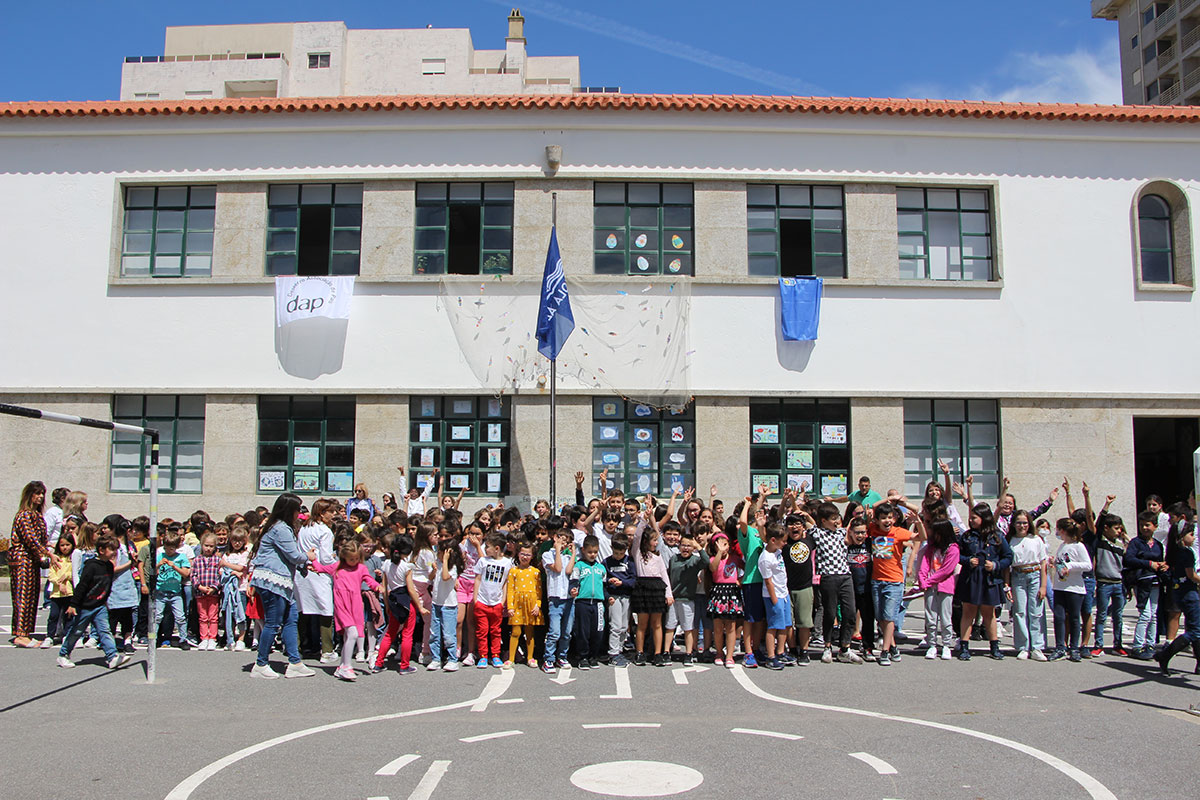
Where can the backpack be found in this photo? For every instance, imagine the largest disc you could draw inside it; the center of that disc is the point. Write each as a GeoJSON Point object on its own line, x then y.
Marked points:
{"type": "Point", "coordinates": [399, 603]}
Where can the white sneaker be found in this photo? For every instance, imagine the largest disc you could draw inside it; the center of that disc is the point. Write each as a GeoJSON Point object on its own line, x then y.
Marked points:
{"type": "Point", "coordinates": [240, 647]}
{"type": "Point", "coordinates": [345, 674]}
{"type": "Point", "coordinates": [849, 657]}
{"type": "Point", "coordinates": [65, 662]}
{"type": "Point", "coordinates": [931, 653]}
{"type": "Point", "coordinates": [469, 661]}
{"type": "Point", "coordinates": [329, 658]}
{"type": "Point", "coordinates": [1023, 655]}
{"type": "Point", "coordinates": [946, 654]}
{"type": "Point", "coordinates": [360, 657]}
{"type": "Point", "coordinates": [298, 671]}
{"type": "Point", "coordinates": [827, 656]}
{"type": "Point", "coordinates": [451, 666]}
{"type": "Point", "coordinates": [119, 660]}
{"type": "Point", "coordinates": [263, 671]}
{"type": "Point", "coordinates": [47, 643]}
{"type": "Point", "coordinates": [432, 666]}
{"type": "Point", "coordinates": [1037, 655]}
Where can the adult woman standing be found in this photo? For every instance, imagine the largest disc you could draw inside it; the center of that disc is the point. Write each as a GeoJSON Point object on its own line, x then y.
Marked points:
{"type": "Point", "coordinates": [273, 577]}
{"type": "Point", "coordinates": [27, 554]}
{"type": "Point", "coordinates": [314, 590]}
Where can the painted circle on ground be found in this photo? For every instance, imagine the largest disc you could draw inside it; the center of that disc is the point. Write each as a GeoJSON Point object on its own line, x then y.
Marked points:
{"type": "Point", "coordinates": [636, 778]}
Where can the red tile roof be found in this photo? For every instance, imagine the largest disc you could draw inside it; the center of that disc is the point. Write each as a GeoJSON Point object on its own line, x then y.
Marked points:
{"type": "Point", "coordinates": [633, 102]}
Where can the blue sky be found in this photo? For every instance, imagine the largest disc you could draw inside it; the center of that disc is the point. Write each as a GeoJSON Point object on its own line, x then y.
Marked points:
{"type": "Point", "coordinates": [1031, 50]}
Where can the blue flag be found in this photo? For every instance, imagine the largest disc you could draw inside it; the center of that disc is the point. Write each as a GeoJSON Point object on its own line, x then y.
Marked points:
{"type": "Point", "coordinates": [800, 308]}
{"type": "Point", "coordinates": [555, 320]}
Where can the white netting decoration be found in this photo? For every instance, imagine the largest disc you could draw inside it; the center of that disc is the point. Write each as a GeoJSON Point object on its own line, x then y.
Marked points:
{"type": "Point", "coordinates": [630, 339]}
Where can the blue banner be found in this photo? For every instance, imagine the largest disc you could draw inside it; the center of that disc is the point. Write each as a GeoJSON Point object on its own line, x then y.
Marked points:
{"type": "Point", "coordinates": [800, 308]}
{"type": "Point", "coordinates": [555, 320]}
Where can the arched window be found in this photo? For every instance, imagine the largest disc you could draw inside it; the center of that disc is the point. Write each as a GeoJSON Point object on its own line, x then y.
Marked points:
{"type": "Point", "coordinates": [1156, 240]}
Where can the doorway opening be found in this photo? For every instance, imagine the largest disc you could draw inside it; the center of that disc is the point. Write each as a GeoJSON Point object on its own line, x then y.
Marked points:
{"type": "Point", "coordinates": [1162, 457]}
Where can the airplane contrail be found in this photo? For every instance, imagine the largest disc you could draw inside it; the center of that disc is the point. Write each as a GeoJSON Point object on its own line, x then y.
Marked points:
{"type": "Point", "coordinates": [612, 29]}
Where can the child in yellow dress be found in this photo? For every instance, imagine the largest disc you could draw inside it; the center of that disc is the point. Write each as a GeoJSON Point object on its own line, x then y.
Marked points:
{"type": "Point", "coordinates": [524, 604]}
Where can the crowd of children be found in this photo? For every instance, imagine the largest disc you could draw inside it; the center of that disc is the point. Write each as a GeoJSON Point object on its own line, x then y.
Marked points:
{"type": "Point", "coordinates": [618, 580]}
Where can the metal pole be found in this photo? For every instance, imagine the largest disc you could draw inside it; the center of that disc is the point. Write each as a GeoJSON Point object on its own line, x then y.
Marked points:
{"type": "Point", "coordinates": [553, 389]}
{"type": "Point", "coordinates": [152, 562]}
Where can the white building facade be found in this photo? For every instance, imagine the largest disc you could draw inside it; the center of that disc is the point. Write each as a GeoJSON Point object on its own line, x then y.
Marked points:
{"type": "Point", "coordinates": [1009, 288]}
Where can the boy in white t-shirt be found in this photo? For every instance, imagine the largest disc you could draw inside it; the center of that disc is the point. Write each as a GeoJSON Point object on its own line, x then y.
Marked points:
{"type": "Point", "coordinates": [491, 587]}
{"type": "Point", "coordinates": [776, 597]}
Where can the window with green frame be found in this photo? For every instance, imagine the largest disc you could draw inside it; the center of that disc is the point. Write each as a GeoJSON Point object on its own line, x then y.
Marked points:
{"type": "Point", "coordinates": [463, 229]}
{"type": "Point", "coordinates": [179, 420]}
{"type": "Point", "coordinates": [800, 442]}
{"type": "Point", "coordinates": [1155, 240]}
{"type": "Point", "coordinates": [314, 228]}
{"type": "Point", "coordinates": [466, 438]}
{"type": "Point", "coordinates": [945, 234]}
{"type": "Point", "coordinates": [963, 433]}
{"type": "Point", "coordinates": [168, 231]}
{"type": "Point", "coordinates": [796, 230]}
{"type": "Point", "coordinates": [645, 450]}
{"type": "Point", "coordinates": [305, 444]}
{"type": "Point", "coordinates": [643, 229]}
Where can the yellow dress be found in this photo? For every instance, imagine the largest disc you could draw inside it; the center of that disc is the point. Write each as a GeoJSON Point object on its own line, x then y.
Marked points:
{"type": "Point", "coordinates": [525, 596]}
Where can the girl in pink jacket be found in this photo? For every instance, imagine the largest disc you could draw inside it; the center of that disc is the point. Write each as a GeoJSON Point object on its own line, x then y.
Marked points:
{"type": "Point", "coordinates": [939, 564]}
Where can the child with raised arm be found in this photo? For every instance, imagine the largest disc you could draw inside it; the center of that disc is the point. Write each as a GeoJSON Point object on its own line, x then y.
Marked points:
{"type": "Point", "coordinates": [725, 597]}
{"type": "Point", "coordinates": [558, 562]}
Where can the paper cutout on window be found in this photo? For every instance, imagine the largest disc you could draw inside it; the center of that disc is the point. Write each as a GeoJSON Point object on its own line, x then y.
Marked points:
{"type": "Point", "coordinates": [764, 434]}
{"type": "Point", "coordinates": [799, 482]}
{"type": "Point", "coordinates": [608, 434]}
{"type": "Point", "coordinates": [642, 411]}
{"type": "Point", "coordinates": [643, 459]}
{"type": "Point", "coordinates": [677, 433]}
{"type": "Point", "coordinates": [462, 406]}
{"type": "Point", "coordinates": [833, 434]}
{"type": "Point", "coordinates": [677, 458]}
{"type": "Point", "coordinates": [675, 265]}
{"type": "Point", "coordinates": [833, 485]}
{"type": "Point", "coordinates": [427, 407]}
{"type": "Point", "coordinates": [611, 241]}
{"type": "Point", "coordinates": [493, 407]}
{"type": "Point", "coordinates": [460, 433]}
{"type": "Point", "coordinates": [642, 263]}
{"type": "Point", "coordinates": [460, 457]}
{"type": "Point", "coordinates": [676, 242]}
{"type": "Point", "coordinates": [640, 241]}
{"type": "Point", "coordinates": [610, 458]}
{"type": "Point", "coordinates": [493, 432]}
{"type": "Point", "coordinates": [306, 456]}
{"type": "Point", "coordinates": [770, 481]}
{"type": "Point", "coordinates": [425, 433]}
{"type": "Point", "coordinates": [339, 481]}
{"type": "Point", "coordinates": [493, 481]}
{"type": "Point", "coordinates": [608, 409]}
{"type": "Point", "coordinates": [493, 457]}
{"type": "Point", "coordinates": [643, 483]}
{"type": "Point", "coordinates": [306, 482]}
{"type": "Point", "coordinates": [460, 481]}
{"type": "Point", "coordinates": [426, 459]}
{"type": "Point", "coordinates": [642, 434]}
{"type": "Point", "coordinates": [272, 481]}
{"type": "Point", "coordinates": [676, 483]}
{"type": "Point", "coordinates": [799, 459]}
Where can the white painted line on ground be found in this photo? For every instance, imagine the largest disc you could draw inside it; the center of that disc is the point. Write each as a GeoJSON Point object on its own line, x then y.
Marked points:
{"type": "Point", "coordinates": [392, 767]}
{"type": "Point", "coordinates": [184, 789]}
{"type": "Point", "coordinates": [591, 726]}
{"type": "Point", "coordinates": [774, 734]}
{"type": "Point", "coordinates": [379, 798]}
{"type": "Point", "coordinates": [496, 686]}
{"type": "Point", "coordinates": [563, 677]}
{"type": "Point", "coordinates": [483, 737]}
{"type": "Point", "coordinates": [878, 764]}
{"type": "Point", "coordinates": [508, 700]}
{"type": "Point", "coordinates": [430, 781]}
{"type": "Point", "coordinates": [1095, 789]}
{"type": "Point", "coordinates": [623, 692]}
{"type": "Point", "coordinates": [562, 697]}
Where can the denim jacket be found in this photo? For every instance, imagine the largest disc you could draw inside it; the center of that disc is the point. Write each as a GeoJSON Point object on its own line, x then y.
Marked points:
{"type": "Point", "coordinates": [995, 549]}
{"type": "Point", "coordinates": [274, 565]}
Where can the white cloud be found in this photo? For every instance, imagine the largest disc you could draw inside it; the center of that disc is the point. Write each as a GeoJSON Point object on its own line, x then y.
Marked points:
{"type": "Point", "coordinates": [1080, 76]}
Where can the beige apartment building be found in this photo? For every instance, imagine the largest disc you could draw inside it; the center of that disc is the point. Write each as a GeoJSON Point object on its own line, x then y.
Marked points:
{"type": "Point", "coordinates": [1160, 49]}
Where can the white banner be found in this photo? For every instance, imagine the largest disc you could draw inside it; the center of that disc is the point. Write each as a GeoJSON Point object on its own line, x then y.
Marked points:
{"type": "Point", "coordinates": [306, 297]}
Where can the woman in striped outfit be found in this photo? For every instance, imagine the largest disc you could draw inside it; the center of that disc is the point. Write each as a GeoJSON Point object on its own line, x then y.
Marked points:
{"type": "Point", "coordinates": [27, 554]}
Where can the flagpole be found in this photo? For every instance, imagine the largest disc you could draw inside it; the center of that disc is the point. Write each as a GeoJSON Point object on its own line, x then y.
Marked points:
{"type": "Point", "coordinates": [553, 389]}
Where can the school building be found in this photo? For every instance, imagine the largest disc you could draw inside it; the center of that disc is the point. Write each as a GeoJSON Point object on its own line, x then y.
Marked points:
{"type": "Point", "coordinates": [1006, 287]}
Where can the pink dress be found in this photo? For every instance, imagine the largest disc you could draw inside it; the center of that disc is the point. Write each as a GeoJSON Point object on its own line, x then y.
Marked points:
{"type": "Point", "coordinates": [347, 592]}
